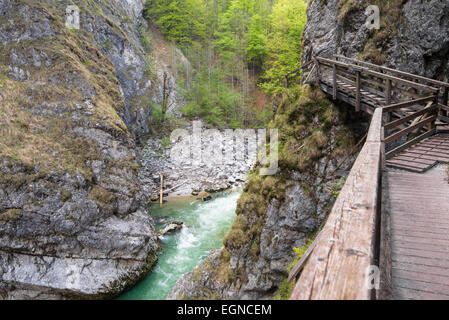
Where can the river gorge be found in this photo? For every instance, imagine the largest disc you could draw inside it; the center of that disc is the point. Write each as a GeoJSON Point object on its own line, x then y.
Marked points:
{"type": "Point", "coordinates": [205, 226]}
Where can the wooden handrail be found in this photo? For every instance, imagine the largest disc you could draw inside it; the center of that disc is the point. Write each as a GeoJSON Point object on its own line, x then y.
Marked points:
{"type": "Point", "coordinates": [400, 105]}
{"type": "Point", "coordinates": [377, 74]}
{"type": "Point", "coordinates": [338, 266]}
{"type": "Point", "coordinates": [394, 124]}
{"type": "Point", "coordinates": [409, 129]}
{"type": "Point", "coordinates": [398, 72]}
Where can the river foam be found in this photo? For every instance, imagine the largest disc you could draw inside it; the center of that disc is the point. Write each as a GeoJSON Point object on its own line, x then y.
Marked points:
{"type": "Point", "coordinates": [205, 225]}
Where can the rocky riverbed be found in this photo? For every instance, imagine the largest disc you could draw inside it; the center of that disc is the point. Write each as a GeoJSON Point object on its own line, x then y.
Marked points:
{"type": "Point", "coordinates": [187, 178]}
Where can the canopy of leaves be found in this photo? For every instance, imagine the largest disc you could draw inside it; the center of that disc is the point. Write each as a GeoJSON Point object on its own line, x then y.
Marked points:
{"type": "Point", "coordinates": [235, 47]}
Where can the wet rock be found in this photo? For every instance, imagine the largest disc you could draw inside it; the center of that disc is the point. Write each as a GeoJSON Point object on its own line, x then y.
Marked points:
{"type": "Point", "coordinates": [204, 196]}
{"type": "Point", "coordinates": [73, 226]}
{"type": "Point", "coordinates": [173, 226]}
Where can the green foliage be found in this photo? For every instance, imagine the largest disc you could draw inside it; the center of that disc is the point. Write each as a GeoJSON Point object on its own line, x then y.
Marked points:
{"type": "Point", "coordinates": [284, 44]}
{"type": "Point", "coordinates": [256, 50]}
{"type": "Point", "coordinates": [335, 189]}
{"type": "Point", "coordinates": [230, 44]}
{"type": "Point", "coordinates": [165, 142]}
{"type": "Point", "coordinates": [181, 20]}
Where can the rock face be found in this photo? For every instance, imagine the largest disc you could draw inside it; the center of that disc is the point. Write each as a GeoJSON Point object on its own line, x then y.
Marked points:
{"type": "Point", "coordinates": [73, 221]}
{"type": "Point", "coordinates": [278, 213]}
{"type": "Point", "coordinates": [141, 82]}
{"type": "Point", "coordinates": [173, 226]}
{"type": "Point", "coordinates": [413, 35]}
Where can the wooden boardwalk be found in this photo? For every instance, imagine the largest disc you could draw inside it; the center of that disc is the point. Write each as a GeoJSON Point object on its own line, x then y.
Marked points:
{"type": "Point", "coordinates": [417, 205]}
{"type": "Point", "coordinates": [393, 211]}
{"type": "Point", "coordinates": [423, 155]}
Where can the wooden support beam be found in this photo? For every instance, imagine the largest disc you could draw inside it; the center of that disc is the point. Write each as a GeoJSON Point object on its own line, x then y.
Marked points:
{"type": "Point", "coordinates": [334, 83]}
{"type": "Point", "coordinates": [366, 106]}
{"type": "Point", "coordinates": [367, 71]}
{"type": "Point", "coordinates": [338, 266]}
{"type": "Point", "coordinates": [408, 144]}
{"type": "Point", "coordinates": [443, 118]}
{"type": "Point", "coordinates": [318, 70]}
{"type": "Point", "coordinates": [357, 94]}
{"type": "Point", "coordinates": [412, 116]}
{"type": "Point", "coordinates": [394, 71]}
{"type": "Point", "coordinates": [388, 91]}
{"type": "Point", "coordinates": [401, 105]}
{"type": "Point", "coordinates": [161, 192]}
{"type": "Point", "coordinates": [300, 264]}
{"type": "Point", "coordinates": [409, 129]}
{"type": "Point", "coordinates": [443, 107]}
{"type": "Point", "coordinates": [445, 96]}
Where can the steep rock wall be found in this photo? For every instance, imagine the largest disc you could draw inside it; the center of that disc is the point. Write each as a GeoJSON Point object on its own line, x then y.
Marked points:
{"type": "Point", "coordinates": [73, 219]}
{"type": "Point", "coordinates": [413, 35]}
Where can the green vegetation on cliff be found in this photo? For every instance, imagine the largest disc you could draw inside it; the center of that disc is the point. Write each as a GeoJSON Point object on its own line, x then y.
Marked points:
{"type": "Point", "coordinates": [391, 17]}
{"type": "Point", "coordinates": [71, 86]}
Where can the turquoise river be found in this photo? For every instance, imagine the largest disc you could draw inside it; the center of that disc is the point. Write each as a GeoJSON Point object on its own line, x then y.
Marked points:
{"type": "Point", "coordinates": [205, 226]}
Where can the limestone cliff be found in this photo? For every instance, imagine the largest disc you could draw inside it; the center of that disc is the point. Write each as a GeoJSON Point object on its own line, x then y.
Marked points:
{"type": "Point", "coordinates": [413, 35]}
{"type": "Point", "coordinates": [73, 219]}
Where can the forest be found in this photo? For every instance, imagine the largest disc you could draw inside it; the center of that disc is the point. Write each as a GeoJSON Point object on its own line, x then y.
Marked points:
{"type": "Point", "coordinates": [244, 54]}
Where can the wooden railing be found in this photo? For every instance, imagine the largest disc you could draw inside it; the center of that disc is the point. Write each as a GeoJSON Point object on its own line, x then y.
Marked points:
{"type": "Point", "coordinates": [422, 124]}
{"type": "Point", "coordinates": [375, 87]}
{"type": "Point", "coordinates": [405, 108]}
{"type": "Point", "coordinates": [443, 87]}
{"type": "Point", "coordinates": [338, 265]}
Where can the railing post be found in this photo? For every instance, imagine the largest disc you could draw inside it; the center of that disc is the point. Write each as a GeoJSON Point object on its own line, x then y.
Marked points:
{"type": "Point", "coordinates": [382, 150]}
{"type": "Point", "coordinates": [388, 92]}
{"type": "Point", "coordinates": [357, 90]}
{"type": "Point", "coordinates": [445, 98]}
{"type": "Point", "coordinates": [318, 70]}
{"type": "Point", "coordinates": [334, 75]}
{"type": "Point", "coordinates": [433, 124]}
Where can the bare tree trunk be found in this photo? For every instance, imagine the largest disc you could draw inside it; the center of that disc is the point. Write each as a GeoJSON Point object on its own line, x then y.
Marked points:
{"type": "Point", "coordinates": [166, 92]}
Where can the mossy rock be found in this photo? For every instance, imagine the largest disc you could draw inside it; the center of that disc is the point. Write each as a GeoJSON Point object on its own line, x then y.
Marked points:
{"type": "Point", "coordinates": [101, 196]}
{"type": "Point", "coordinates": [11, 215]}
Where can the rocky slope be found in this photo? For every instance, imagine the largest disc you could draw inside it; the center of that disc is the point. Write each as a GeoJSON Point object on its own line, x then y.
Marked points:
{"type": "Point", "coordinates": [188, 177]}
{"type": "Point", "coordinates": [278, 213]}
{"type": "Point", "coordinates": [73, 219]}
{"type": "Point", "coordinates": [413, 35]}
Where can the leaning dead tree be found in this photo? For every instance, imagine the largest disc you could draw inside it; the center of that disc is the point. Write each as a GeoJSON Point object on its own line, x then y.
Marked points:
{"type": "Point", "coordinates": [166, 92]}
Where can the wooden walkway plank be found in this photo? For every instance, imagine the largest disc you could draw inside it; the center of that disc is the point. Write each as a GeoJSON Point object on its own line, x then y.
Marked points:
{"type": "Point", "coordinates": [423, 155]}
{"type": "Point", "coordinates": [418, 207]}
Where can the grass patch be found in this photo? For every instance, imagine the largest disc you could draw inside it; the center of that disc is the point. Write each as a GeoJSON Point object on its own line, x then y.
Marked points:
{"type": "Point", "coordinates": [286, 288]}
{"type": "Point", "coordinates": [10, 215]}
{"type": "Point", "coordinates": [101, 196]}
